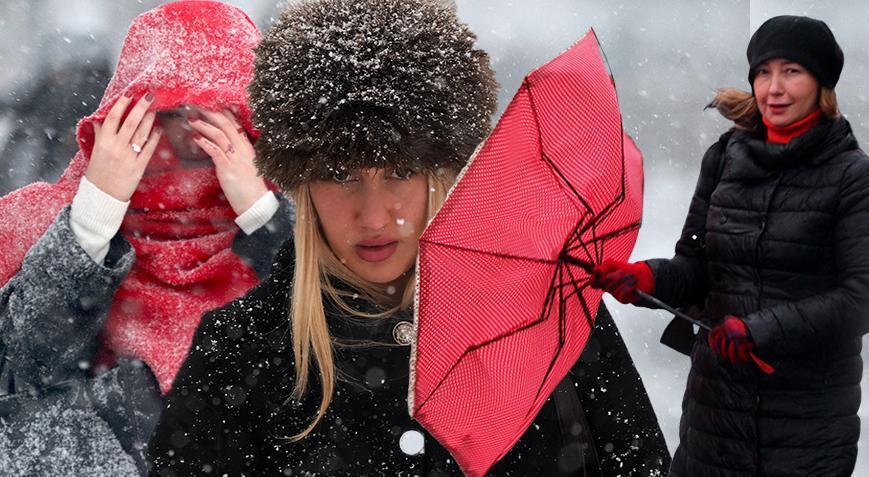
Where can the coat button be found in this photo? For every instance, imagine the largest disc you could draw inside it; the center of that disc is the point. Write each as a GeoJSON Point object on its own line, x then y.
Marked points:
{"type": "Point", "coordinates": [403, 333]}
{"type": "Point", "coordinates": [412, 442]}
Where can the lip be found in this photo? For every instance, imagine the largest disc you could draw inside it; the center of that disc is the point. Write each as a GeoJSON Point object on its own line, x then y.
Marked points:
{"type": "Point", "coordinates": [375, 250]}
{"type": "Point", "coordinates": [777, 108]}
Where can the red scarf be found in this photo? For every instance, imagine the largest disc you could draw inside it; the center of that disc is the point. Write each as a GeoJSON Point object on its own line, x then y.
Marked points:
{"type": "Point", "coordinates": [179, 223]}
{"type": "Point", "coordinates": [783, 135]}
{"type": "Point", "coordinates": [182, 228]}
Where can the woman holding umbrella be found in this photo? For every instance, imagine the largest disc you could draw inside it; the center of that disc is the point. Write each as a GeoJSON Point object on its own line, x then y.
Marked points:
{"type": "Point", "coordinates": [368, 110]}
{"type": "Point", "coordinates": [775, 249]}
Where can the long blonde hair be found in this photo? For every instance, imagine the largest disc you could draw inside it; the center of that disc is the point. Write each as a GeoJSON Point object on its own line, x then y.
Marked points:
{"type": "Point", "coordinates": [315, 267]}
{"type": "Point", "coordinates": [741, 107]}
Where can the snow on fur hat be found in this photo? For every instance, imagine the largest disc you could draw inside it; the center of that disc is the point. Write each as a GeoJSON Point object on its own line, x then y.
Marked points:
{"type": "Point", "coordinates": [349, 84]}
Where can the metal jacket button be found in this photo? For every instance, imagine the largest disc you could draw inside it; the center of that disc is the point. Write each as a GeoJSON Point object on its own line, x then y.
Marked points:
{"type": "Point", "coordinates": [402, 333]}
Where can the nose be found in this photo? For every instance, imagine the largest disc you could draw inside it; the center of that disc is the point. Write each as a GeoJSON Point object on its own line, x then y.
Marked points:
{"type": "Point", "coordinates": [375, 207]}
{"type": "Point", "coordinates": [776, 84]}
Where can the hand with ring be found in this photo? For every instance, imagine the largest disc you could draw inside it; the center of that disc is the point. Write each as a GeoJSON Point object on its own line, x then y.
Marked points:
{"type": "Point", "coordinates": [123, 149]}
{"type": "Point", "coordinates": [221, 136]}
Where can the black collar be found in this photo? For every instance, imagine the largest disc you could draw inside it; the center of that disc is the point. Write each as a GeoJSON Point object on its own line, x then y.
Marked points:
{"type": "Point", "coordinates": [821, 143]}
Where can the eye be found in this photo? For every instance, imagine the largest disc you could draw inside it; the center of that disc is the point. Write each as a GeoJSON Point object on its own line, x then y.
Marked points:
{"type": "Point", "coordinates": [401, 174]}
{"type": "Point", "coordinates": [341, 176]}
{"type": "Point", "coordinates": [170, 114]}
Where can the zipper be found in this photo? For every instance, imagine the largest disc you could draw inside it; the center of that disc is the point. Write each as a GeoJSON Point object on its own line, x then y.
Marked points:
{"type": "Point", "coordinates": [759, 283]}
{"type": "Point", "coordinates": [763, 223]}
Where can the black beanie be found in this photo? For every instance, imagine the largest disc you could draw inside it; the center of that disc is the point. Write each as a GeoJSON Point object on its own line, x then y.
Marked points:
{"type": "Point", "coordinates": [804, 40]}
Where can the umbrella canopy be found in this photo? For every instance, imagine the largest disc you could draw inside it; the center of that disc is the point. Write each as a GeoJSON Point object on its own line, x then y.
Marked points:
{"type": "Point", "coordinates": [503, 305]}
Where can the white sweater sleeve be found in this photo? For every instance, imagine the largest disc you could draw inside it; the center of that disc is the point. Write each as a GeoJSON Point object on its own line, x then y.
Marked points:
{"type": "Point", "coordinates": [258, 214]}
{"type": "Point", "coordinates": [95, 217]}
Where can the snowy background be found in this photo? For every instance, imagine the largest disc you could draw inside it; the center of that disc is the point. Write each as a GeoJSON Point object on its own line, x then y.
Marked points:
{"type": "Point", "coordinates": [667, 57]}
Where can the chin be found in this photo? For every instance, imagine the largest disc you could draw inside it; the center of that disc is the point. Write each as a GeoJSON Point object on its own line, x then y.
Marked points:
{"type": "Point", "coordinates": [379, 277]}
{"type": "Point", "coordinates": [785, 121]}
{"type": "Point", "coordinates": [382, 273]}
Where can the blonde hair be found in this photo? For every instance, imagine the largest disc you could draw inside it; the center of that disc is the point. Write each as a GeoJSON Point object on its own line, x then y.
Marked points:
{"type": "Point", "coordinates": [741, 107]}
{"type": "Point", "coordinates": [315, 267]}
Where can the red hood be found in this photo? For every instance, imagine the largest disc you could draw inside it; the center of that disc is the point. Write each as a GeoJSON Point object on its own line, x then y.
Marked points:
{"type": "Point", "coordinates": [186, 52]}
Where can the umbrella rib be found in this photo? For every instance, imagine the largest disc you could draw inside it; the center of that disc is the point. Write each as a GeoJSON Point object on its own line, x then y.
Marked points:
{"type": "Point", "coordinates": [578, 292]}
{"type": "Point", "coordinates": [606, 236]}
{"type": "Point", "coordinates": [606, 62]}
{"type": "Point", "coordinates": [564, 180]}
{"type": "Point", "coordinates": [493, 254]}
{"type": "Point", "coordinates": [561, 175]}
{"type": "Point", "coordinates": [598, 252]}
{"type": "Point", "coordinates": [561, 305]}
{"type": "Point", "coordinates": [584, 244]}
{"type": "Point", "coordinates": [562, 320]}
{"type": "Point", "coordinates": [475, 347]}
{"type": "Point", "coordinates": [592, 225]}
{"type": "Point", "coordinates": [550, 297]}
{"type": "Point", "coordinates": [540, 319]}
{"type": "Point", "coordinates": [611, 207]}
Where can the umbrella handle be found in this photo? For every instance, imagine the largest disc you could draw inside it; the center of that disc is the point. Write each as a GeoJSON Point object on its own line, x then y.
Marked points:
{"type": "Point", "coordinates": [763, 365]}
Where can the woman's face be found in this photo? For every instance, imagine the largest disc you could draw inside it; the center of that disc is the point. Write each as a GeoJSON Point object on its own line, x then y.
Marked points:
{"type": "Point", "coordinates": [372, 220]}
{"type": "Point", "coordinates": [785, 91]}
{"type": "Point", "coordinates": [179, 133]}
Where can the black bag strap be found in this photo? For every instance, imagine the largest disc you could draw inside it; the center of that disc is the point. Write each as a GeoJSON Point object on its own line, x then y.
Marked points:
{"type": "Point", "coordinates": [578, 456]}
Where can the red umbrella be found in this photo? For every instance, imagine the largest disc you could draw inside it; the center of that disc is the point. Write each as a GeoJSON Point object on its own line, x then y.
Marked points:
{"type": "Point", "coordinates": [504, 307]}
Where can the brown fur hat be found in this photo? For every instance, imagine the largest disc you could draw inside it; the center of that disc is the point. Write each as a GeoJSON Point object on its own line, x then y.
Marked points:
{"type": "Point", "coordinates": [350, 84]}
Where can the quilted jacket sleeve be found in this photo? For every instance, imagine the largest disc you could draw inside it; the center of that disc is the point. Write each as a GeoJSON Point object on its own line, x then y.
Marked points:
{"type": "Point", "coordinates": [52, 310]}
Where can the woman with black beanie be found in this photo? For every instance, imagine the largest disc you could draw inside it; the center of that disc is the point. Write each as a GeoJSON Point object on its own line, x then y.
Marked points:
{"type": "Point", "coordinates": [775, 251]}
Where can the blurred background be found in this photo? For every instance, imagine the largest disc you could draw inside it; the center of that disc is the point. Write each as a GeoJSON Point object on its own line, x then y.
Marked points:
{"type": "Point", "coordinates": [667, 57]}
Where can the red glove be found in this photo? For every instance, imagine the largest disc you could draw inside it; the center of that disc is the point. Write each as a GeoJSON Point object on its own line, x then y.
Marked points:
{"type": "Point", "coordinates": [730, 340]}
{"type": "Point", "coordinates": [623, 279]}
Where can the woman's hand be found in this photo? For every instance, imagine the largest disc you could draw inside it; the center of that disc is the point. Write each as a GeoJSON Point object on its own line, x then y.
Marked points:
{"type": "Point", "coordinates": [122, 150]}
{"type": "Point", "coordinates": [622, 279]}
{"type": "Point", "coordinates": [731, 340]}
{"type": "Point", "coordinates": [222, 137]}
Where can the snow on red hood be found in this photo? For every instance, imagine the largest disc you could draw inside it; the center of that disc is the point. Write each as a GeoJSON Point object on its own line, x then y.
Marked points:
{"type": "Point", "coordinates": [185, 52]}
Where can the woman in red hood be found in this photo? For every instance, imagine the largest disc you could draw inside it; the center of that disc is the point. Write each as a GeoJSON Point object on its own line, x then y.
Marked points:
{"type": "Point", "coordinates": [159, 217]}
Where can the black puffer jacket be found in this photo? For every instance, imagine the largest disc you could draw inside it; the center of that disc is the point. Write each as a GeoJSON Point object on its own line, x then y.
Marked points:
{"type": "Point", "coordinates": [229, 409]}
{"type": "Point", "coordinates": [779, 235]}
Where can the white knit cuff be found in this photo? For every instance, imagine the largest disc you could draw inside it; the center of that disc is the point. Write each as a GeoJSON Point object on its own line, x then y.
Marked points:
{"type": "Point", "coordinates": [95, 217]}
{"type": "Point", "coordinates": [258, 214]}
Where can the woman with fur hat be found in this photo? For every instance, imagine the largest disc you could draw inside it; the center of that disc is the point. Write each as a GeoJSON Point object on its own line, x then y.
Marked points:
{"type": "Point", "coordinates": [159, 217]}
{"type": "Point", "coordinates": [775, 250]}
{"type": "Point", "coordinates": [368, 110]}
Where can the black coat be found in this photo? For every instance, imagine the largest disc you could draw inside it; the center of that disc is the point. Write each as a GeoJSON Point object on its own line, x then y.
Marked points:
{"type": "Point", "coordinates": [779, 235]}
{"type": "Point", "coordinates": [229, 411]}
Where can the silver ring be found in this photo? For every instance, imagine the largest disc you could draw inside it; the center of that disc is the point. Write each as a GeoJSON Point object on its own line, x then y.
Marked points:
{"type": "Point", "coordinates": [136, 148]}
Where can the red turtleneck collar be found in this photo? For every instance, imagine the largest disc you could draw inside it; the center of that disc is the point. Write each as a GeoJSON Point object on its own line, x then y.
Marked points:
{"type": "Point", "coordinates": [784, 134]}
